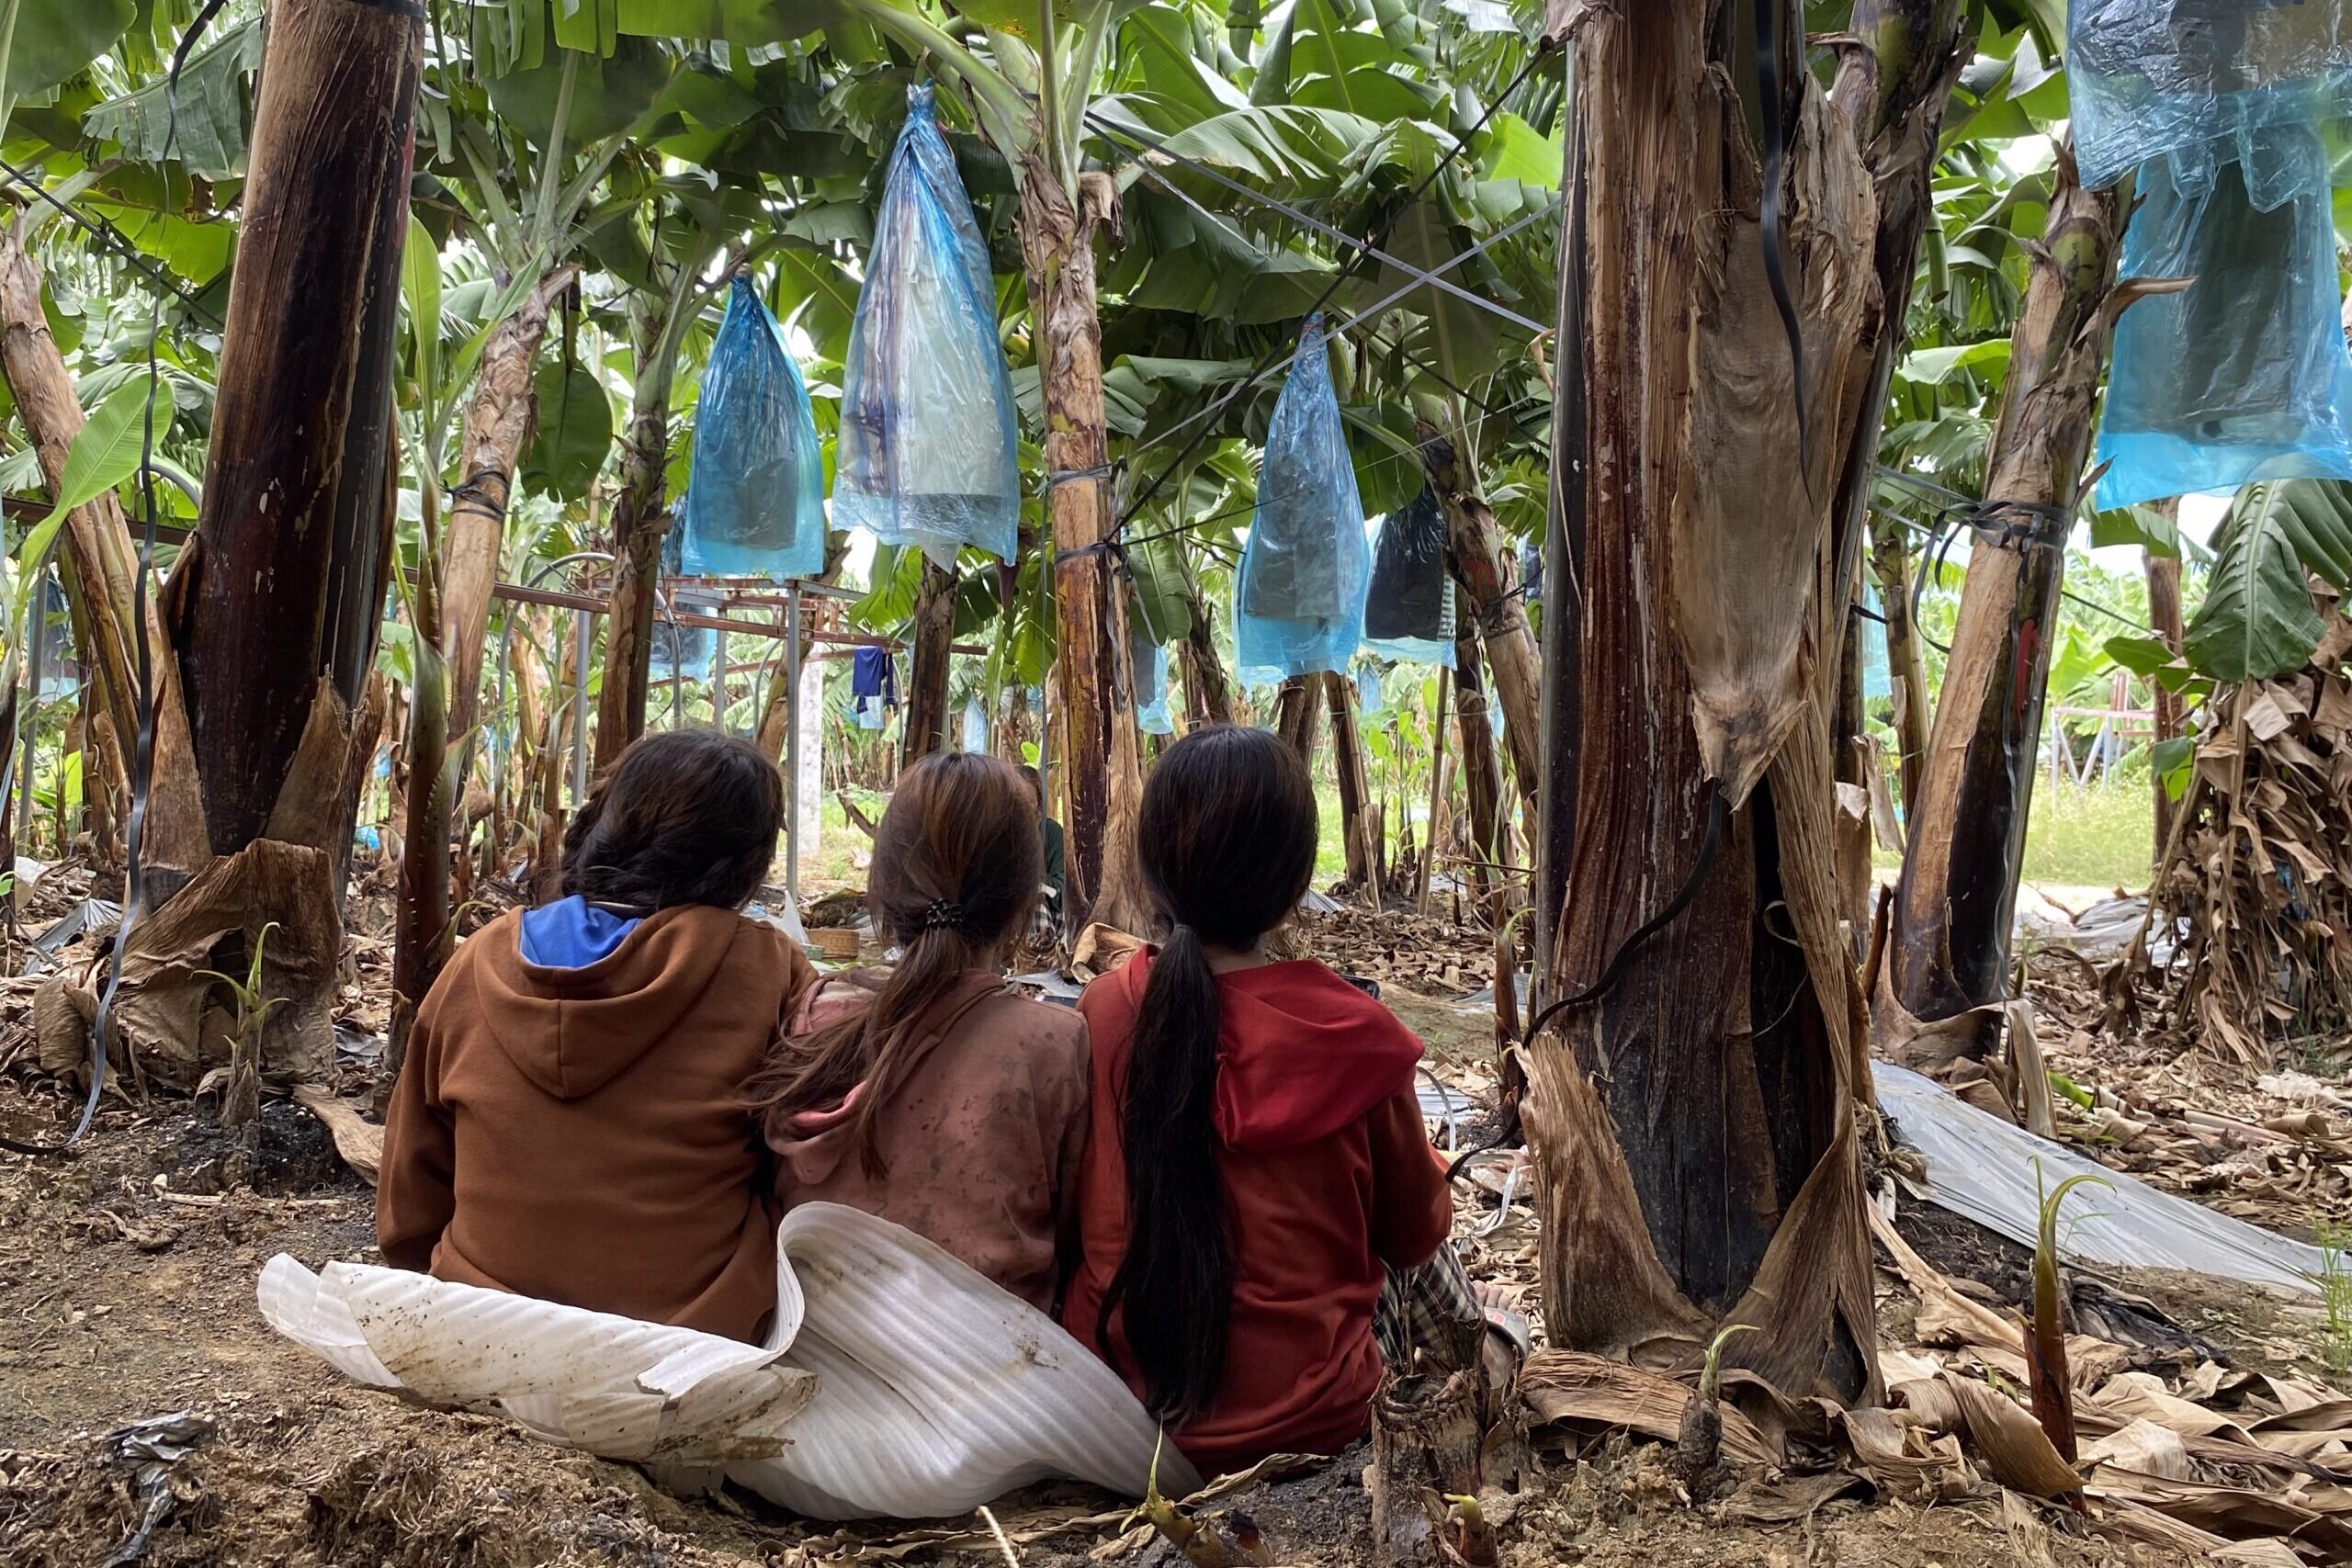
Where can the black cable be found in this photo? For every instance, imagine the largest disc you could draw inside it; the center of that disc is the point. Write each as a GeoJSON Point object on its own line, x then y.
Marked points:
{"type": "Point", "coordinates": [142, 751]}
{"type": "Point", "coordinates": [1718, 814]}
{"type": "Point", "coordinates": [1772, 113]}
{"type": "Point", "coordinates": [113, 237]}
{"type": "Point", "coordinates": [1338, 280]}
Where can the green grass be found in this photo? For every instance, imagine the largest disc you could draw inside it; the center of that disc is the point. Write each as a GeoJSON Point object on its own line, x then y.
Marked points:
{"type": "Point", "coordinates": [2098, 835]}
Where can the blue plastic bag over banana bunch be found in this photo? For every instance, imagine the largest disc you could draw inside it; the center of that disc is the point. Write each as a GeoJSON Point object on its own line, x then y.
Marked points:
{"type": "Point", "coordinates": [928, 454]}
{"type": "Point", "coordinates": [756, 488]}
{"type": "Point", "coordinates": [1150, 662]}
{"type": "Point", "coordinates": [2199, 81]}
{"type": "Point", "coordinates": [1298, 598]}
{"type": "Point", "coordinates": [1409, 613]}
{"type": "Point", "coordinates": [2242, 375]}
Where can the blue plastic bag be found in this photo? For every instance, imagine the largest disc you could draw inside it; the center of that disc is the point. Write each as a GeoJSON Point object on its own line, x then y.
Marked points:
{"type": "Point", "coordinates": [1372, 698]}
{"type": "Point", "coordinates": [1298, 598]}
{"type": "Point", "coordinates": [928, 454]}
{"type": "Point", "coordinates": [1150, 662]}
{"type": "Point", "coordinates": [2200, 81]}
{"type": "Point", "coordinates": [680, 652]}
{"type": "Point", "coordinates": [1408, 610]}
{"type": "Point", "coordinates": [2242, 376]}
{"type": "Point", "coordinates": [756, 487]}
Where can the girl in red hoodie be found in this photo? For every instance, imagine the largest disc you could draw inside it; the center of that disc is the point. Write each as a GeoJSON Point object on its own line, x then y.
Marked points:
{"type": "Point", "coordinates": [1255, 1162]}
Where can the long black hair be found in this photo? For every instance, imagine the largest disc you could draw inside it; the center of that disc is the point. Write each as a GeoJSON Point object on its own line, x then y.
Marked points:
{"type": "Point", "coordinates": [683, 816]}
{"type": "Point", "coordinates": [1225, 841]}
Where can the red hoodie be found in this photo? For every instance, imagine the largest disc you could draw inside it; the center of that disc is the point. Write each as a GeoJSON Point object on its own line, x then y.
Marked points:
{"type": "Point", "coordinates": [1327, 1176]}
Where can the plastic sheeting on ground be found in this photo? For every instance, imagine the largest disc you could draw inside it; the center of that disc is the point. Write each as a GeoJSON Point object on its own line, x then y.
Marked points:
{"type": "Point", "coordinates": [2242, 375]}
{"type": "Point", "coordinates": [928, 451]}
{"type": "Point", "coordinates": [2148, 77]}
{"type": "Point", "coordinates": [897, 1383]}
{"type": "Point", "coordinates": [1408, 610]}
{"type": "Point", "coordinates": [1982, 1168]}
{"type": "Point", "coordinates": [756, 484]}
{"type": "Point", "coordinates": [1298, 598]}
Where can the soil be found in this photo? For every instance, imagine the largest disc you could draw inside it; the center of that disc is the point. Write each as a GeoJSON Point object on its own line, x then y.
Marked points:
{"type": "Point", "coordinates": [127, 1277]}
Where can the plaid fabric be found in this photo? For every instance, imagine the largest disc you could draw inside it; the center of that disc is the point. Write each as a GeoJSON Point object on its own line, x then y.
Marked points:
{"type": "Point", "coordinates": [1431, 1309]}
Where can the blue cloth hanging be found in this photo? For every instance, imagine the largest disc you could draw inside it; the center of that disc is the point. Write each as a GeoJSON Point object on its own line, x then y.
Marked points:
{"type": "Point", "coordinates": [929, 449]}
{"type": "Point", "coordinates": [873, 686]}
{"type": "Point", "coordinates": [756, 486]}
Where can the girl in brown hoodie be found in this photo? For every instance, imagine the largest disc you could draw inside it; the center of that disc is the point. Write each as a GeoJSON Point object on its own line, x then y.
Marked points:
{"type": "Point", "coordinates": [569, 1119]}
{"type": "Point", "coordinates": [928, 1093]}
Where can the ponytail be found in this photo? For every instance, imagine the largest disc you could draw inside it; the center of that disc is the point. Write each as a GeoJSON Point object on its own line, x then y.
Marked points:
{"type": "Point", "coordinates": [1176, 1281]}
{"type": "Point", "coordinates": [1226, 841]}
{"type": "Point", "coordinates": [956, 866]}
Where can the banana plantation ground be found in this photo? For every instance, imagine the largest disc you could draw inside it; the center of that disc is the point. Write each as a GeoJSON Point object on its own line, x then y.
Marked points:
{"type": "Point", "coordinates": [129, 1274]}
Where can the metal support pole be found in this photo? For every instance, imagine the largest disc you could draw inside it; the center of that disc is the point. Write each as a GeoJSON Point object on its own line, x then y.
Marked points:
{"type": "Point", "coordinates": [792, 744]}
{"type": "Point", "coordinates": [579, 708]}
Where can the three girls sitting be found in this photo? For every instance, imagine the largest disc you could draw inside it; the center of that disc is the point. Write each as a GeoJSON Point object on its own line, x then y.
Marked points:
{"type": "Point", "coordinates": [1211, 1169]}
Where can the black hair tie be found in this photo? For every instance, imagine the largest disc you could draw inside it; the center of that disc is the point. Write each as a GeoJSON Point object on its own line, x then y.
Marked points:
{"type": "Point", "coordinates": [943, 912]}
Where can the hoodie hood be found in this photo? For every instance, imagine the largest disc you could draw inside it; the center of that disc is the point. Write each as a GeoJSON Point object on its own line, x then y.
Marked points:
{"type": "Point", "coordinates": [1301, 1054]}
{"type": "Point", "coordinates": [814, 1144]}
{"type": "Point", "coordinates": [573, 1031]}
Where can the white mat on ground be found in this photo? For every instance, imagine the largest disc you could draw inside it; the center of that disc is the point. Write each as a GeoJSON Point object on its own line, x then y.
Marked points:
{"type": "Point", "coordinates": [1981, 1167]}
{"type": "Point", "coordinates": [897, 1382]}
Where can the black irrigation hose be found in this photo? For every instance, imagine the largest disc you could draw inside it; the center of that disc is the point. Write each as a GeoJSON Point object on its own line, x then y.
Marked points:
{"type": "Point", "coordinates": [142, 755]}
{"type": "Point", "coordinates": [1338, 280]}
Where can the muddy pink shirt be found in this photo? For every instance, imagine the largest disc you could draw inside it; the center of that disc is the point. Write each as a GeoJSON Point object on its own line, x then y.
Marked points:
{"type": "Point", "coordinates": [981, 1146]}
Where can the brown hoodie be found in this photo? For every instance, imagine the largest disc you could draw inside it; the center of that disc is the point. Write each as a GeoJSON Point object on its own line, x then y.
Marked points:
{"type": "Point", "coordinates": [580, 1134]}
{"type": "Point", "coordinates": [981, 1143]}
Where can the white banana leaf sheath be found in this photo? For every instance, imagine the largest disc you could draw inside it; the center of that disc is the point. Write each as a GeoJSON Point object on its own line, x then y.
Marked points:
{"type": "Point", "coordinates": [897, 1381]}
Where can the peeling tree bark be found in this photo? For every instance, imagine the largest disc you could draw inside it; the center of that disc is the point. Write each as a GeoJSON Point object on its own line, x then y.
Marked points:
{"type": "Point", "coordinates": [1208, 690]}
{"type": "Point", "coordinates": [1100, 754]}
{"type": "Point", "coordinates": [1483, 566]}
{"type": "Point", "coordinates": [1966, 837]}
{"type": "Point", "coordinates": [1359, 817]}
{"type": "Point", "coordinates": [2164, 615]}
{"type": "Point", "coordinates": [1482, 776]}
{"type": "Point", "coordinates": [935, 634]}
{"type": "Point", "coordinates": [1693, 1127]}
{"type": "Point", "coordinates": [498, 427]}
{"type": "Point", "coordinates": [98, 557]}
{"type": "Point", "coordinates": [259, 755]}
{"type": "Point", "coordinates": [640, 522]}
{"type": "Point", "coordinates": [1906, 659]}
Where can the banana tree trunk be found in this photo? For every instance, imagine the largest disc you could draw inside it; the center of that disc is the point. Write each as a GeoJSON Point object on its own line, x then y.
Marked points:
{"type": "Point", "coordinates": [640, 522]}
{"type": "Point", "coordinates": [1359, 816]}
{"type": "Point", "coordinates": [1483, 565]}
{"type": "Point", "coordinates": [1694, 1126]}
{"type": "Point", "coordinates": [1208, 690]}
{"type": "Point", "coordinates": [1482, 775]}
{"type": "Point", "coordinates": [498, 427]}
{"type": "Point", "coordinates": [258, 754]}
{"type": "Point", "coordinates": [934, 632]}
{"type": "Point", "coordinates": [1294, 706]}
{"type": "Point", "coordinates": [2164, 614]}
{"type": "Point", "coordinates": [1906, 659]}
{"type": "Point", "coordinates": [1100, 754]}
{"type": "Point", "coordinates": [776, 703]}
{"type": "Point", "coordinates": [1892, 91]}
{"type": "Point", "coordinates": [99, 557]}
{"type": "Point", "coordinates": [1966, 838]}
